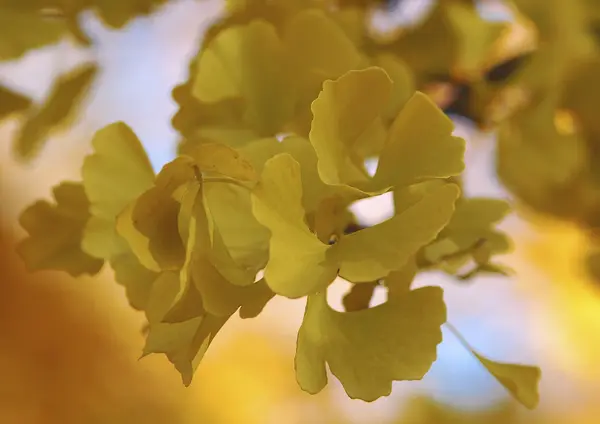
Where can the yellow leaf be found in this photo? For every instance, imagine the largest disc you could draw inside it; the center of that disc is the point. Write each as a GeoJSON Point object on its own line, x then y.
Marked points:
{"type": "Point", "coordinates": [372, 253]}
{"type": "Point", "coordinates": [223, 160]}
{"type": "Point", "coordinates": [420, 146]}
{"type": "Point", "coordinates": [155, 213]}
{"type": "Point", "coordinates": [249, 62]}
{"type": "Point", "coordinates": [113, 176]}
{"type": "Point", "coordinates": [363, 350]}
{"type": "Point", "coordinates": [346, 114]}
{"type": "Point", "coordinates": [297, 263]}
{"type": "Point", "coordinates": [117, 13]}
{"type": "Point", "coordinates": [520, 380]}
{"type": "Point", "coordinates": [55, 233]}
{"type": "Point", "coordinates": [11, 102]}
{"type": "Point", "coordinates": [24, 30]}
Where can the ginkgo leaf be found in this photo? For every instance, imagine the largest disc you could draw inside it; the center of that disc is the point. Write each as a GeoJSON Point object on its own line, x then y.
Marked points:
{"type": "Point", "coordinates": [359, 297]}
{"type": "Point", "coordinates": [117, 13]}
{"type": "Point", "coordinates": [319, 50]}
{"type": "Point", "coordinates": [346, 115]}
{"type": "Point", "coordinates": [403, 79]}
{"type": "Point", "coordinates": [419, 143]}
{"type": "Point", "coordinates": [155, 213]}
{"type": "Point", "coordinates": [55, 233]}
{"type": "Point", "coordinates": [113, 176]}
{"type": "Point", "coordinates": [420, 146]}
{"type": "Point", "coordinates": [475, 38]}
{"type": "Point", "coordinates": [134, 277]}
{"type": "Point", "coordinates": [12, 102]}
{"type": "Point", "coordinates": [66, 94]}
{"type": "Point", "coordinates": [474, 222]}
{"type": "Point", "coordinates": [224, 160]}
{"type": "Point", "coordinates": [363, 350]}
{"type": "Point", "coordinates": [372, 253]}
{"type": "Point", "coordinates": [520, 380]}
{"type": "Point", "coordinates": [264, 84]}
{"type": "Point", "coordinates": [185, 343]}
{"type": "Point", "coordinates": [24, 30]}
{"type": "Point", "coordinates": [297, 262]}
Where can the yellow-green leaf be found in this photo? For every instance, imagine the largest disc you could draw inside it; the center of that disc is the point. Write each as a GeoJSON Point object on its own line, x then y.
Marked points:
{"type": "Point", "coordinates": [346, 116]}
{"type": "Point", "coordinates": [249, 62]}
{"type": "Point", "coordinates": [363, 349]}
{"type": "Point", "coordinates": [223, 160]}
{"type": "Point", "coordinates": [420, 146]}
{"type": "Point", "coordinates": [297, 263]}
{"type": "Point", "coordinates": [113, 176]}
{"type": "Point", "coordinates": [55, 233]}
{"type": "Point", "coordinates": [372, 253]}
{"type": "Point", "coordinates": [520, 380]}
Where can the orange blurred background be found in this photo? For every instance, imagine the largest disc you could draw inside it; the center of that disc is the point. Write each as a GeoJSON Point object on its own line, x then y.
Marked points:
{"type": "Point", "coordinates": [69, 348]}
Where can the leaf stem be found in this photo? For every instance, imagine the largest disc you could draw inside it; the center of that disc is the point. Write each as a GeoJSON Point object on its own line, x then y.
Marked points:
{"type": "Point", "coordinates": [459, 337]}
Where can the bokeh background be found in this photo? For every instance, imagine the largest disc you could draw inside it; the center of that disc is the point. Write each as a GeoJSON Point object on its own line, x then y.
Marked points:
{"type": "Point", "coordinates": [69, 348]}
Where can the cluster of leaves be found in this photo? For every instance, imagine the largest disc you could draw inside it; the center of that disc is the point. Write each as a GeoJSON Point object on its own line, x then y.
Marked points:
{"type": "Point", "coordinates": [285, 103]}
{"type": "Point", "coordinates": [543, 104]}
{"type": "Point", "coordinates": [26, 25]}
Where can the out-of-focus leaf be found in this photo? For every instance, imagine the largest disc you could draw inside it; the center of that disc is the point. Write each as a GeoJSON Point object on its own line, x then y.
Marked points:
{"type": "Point", "coordinates": [117, 13]}
{"type": "Point", "coordinates": [520, 380]}
{"type": "Point", "coordinates": [22, 30]}
{"type": "Point", "coordinates": [12, 102]}
{"type": "Point", "coordinates": [59, 108]}
{"type": "Point", "coordinates": [55, 233]}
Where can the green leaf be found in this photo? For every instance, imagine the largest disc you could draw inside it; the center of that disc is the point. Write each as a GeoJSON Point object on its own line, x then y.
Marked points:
{"type": "Point", "coordinates": [363, 350]}
{"type": "Point", "coordinates": [65, 97]}
{"type": "Point", "coordinates": [24, 30]}
{"type": "Point", "coordinates": [55, 233]}
{"type": "Point", "coordinates": [113, 176]}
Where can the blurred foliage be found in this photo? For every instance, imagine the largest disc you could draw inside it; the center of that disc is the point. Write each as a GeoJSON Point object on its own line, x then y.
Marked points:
{"type": "Point", "coordinates": [284, 102]}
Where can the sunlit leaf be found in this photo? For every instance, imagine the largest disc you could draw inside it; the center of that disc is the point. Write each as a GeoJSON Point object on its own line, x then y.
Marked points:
{"type": "Point", "coordinates": [363, 350]}
{"type": "Point", "coordinates": [297, 262]}
{"type": "Point", "coordinates": [264, 83]}
{"type": "Point", "coordinates": [223, 160]}
{"type": "Point", "coordinates": [113, 176]}
{"type": "Point", "coordinates": [347, 114]}
{"type": "Point", "coordinates": [372, 253]}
